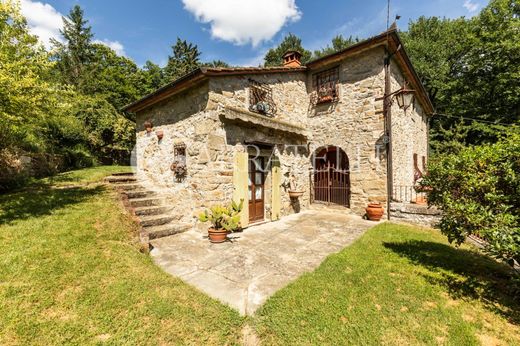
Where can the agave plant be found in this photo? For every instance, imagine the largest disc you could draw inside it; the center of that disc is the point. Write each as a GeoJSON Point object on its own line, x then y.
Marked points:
{"type": "Point", "coordinates": [226, 217]}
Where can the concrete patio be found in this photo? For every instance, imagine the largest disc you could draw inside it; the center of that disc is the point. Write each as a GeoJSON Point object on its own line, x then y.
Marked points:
{"type": "Point", "coordinates": [256, 263]}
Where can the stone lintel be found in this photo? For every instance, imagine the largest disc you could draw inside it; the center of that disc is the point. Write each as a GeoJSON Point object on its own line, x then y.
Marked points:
{"type": "Point", "coordinates": [244, 116]}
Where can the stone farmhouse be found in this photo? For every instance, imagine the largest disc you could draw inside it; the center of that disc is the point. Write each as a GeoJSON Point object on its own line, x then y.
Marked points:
{"type": "Point", "coordinates": [336, 132]}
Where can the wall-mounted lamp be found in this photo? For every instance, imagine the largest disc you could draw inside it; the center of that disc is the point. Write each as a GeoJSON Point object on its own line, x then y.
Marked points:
{"type": "Point", "coordinates": [405, 97]}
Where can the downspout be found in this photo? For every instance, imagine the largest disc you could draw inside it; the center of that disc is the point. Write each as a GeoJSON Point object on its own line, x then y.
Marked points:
{"type": "Point", "coordinates": [387, 110]}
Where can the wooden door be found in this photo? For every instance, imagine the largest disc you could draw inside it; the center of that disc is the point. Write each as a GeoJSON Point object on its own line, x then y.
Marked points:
{"type": "Point", "coordinates": [256, 189]}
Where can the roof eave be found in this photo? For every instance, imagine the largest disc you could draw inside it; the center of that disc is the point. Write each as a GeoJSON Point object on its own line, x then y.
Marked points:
{"type": "Point", "coordinates": [166, 91]}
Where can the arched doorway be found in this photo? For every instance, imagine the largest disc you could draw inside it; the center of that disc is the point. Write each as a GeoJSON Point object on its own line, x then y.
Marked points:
{"type": "Point", "coordinates": [331, 176]}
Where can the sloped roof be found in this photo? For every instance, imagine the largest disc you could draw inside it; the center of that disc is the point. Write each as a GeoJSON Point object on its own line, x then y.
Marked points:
{"type": "Point", "coordinates": [203, 73]}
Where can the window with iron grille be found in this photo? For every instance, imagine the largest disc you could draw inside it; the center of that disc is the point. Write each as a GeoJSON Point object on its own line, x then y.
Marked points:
{"type": "Point", "coordinates": [261, 98]}
{"type": "Point", "coordinates": [326, 86]}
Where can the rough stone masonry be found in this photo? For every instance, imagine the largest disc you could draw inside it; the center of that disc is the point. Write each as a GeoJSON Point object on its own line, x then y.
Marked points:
{"type": "Point", "coordinates": [209, 113]}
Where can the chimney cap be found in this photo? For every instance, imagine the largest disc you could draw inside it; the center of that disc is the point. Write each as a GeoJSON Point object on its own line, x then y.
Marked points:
{"type": "Point", "coordinates": [291, 52]}
{"type": "Point", "coordinates": [292, 58]}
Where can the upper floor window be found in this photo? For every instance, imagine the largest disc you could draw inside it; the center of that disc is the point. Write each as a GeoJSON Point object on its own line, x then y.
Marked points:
{"type": "Point", "coordinates": [326, 86]}
{"type": "Point", "coordinates": [261, 98]}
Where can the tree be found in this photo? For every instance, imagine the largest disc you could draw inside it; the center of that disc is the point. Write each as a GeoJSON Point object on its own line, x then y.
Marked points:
{"type": "Point", "coordinates": [34, 119]}
{"type": "Point", "coordinates": [117, 78]}
{"type": "Point", "coordinates": [153, 76]}
{"type": "Point", "coordinates": [216, 63]}
{"type": "Point", "coordinates": [75, 54]}
{"type": "Point", "coordinates": [290, 42]}
{"type": "Point", "coordinates": [184, 60]}
{"type": "Point", "coordinates": [478, 190]}
{"type": "Point", "coordinates": [470, 67]}
{"type": "Point", "coordinates": [338, 43]}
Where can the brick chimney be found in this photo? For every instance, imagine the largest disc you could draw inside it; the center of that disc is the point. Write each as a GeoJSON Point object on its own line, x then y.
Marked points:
{"type": "Point", "coordinates": [292, 58]}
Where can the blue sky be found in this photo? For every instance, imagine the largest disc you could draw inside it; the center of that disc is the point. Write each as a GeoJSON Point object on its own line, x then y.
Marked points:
{"type": "Point", "coordinates": [236, 31]}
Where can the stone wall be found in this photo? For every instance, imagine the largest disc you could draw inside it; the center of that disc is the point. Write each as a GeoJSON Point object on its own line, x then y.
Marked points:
{"type": "Point", "coordinates": [185, 118]}
{"type": "Point", "coordinates": [356, 124]}
{"type": "Point", "coordinates": [415, 213]}
{"type": "Point", "coordinates": [288, 91]}
{"type": "Point", "coordinates": [409, 136]}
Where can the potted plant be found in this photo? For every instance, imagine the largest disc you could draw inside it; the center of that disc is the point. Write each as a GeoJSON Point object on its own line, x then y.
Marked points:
{"type": "Point", "coordinates": [325, 94]}
{"type": "Point", "coordinates": [374, 211]}
{"type": "Point", "coordinates": [223, 220]}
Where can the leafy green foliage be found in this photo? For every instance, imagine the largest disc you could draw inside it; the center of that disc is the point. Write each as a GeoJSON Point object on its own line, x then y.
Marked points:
{"type": "Point", "coordinates": [153, 76]}
{"type": "Point", "coordinates": [478, 191]}
{"type": "Point", "coordinates": [226, 217]}
{"type": "Point", "coordinates": [185, 59]}
{"type": "Point", "coordinates": [470, 67]}
{"type": "Point", "coordinates": [115, 78]}
{"type": "Point", "coordinates": [216, 63]}
{"type": "Point", "coordinates": [74, 56]}
{"type": "Point", "coordinates": [290, 42]}
{"type": "Point", "coordinates": [338, 43]}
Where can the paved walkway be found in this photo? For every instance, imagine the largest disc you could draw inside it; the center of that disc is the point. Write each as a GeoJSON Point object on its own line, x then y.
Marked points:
{"type": "Point", "coordinates": [256, 263]}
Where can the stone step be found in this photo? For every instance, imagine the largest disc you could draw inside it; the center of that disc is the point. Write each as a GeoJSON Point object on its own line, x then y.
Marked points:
{"type": "Point", "coordinates": [167, 230]}
{"type": "Point", "coordinates": [151, 210]}
{"type": "Point", "coordinates": [120, 179]}
{"type": "Point", "coordinates": [146, 202]}
{"type": "Point", "coordinates": [329, 207]}
{"type": "Point", "coordinates": [128, 186]}
{"type": "Point", "coordinates": [125, 174]}
{"type": "Point", "coordinates": [139, 194]}
{"type": "Point", "coordinates": [155, 220]}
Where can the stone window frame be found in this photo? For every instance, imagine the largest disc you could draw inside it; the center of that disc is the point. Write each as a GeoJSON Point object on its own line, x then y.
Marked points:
{"type": "Point", "coordinates": [180, 164]}
{"type": "Point", "coordinates": [261, 93]}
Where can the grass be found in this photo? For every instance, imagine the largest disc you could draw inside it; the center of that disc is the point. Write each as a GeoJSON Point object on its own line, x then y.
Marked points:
{"type": "Point", "coordinates": [81, 176]}
{"type": "Point", "coordinates": [71, 273]}
{"type": "Point", "coordinates": [397, 285]}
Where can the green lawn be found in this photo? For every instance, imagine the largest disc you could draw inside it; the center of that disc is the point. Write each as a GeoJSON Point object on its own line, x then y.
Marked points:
{"type": "Point", "coordinates": [71, 272]}
{"type": "Point", "coordinates": [82, 176]}
{"type": "Point", "coordinates": [397, 285]}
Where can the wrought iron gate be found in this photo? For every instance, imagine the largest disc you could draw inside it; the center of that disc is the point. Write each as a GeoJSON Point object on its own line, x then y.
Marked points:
{"type": "Point", "coordinates": [331, 185]}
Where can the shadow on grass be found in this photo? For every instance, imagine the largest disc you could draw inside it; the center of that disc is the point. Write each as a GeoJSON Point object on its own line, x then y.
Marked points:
{"type": "Point", "coordinates": [43, 201]}
{"type": "Point", "coordinates": [464, 273]}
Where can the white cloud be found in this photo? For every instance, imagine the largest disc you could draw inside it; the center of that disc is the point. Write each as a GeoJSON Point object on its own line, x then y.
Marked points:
{"type": "Point", "coordinates": [44, 21]}
{"type": "Point", "coordinates": [244, 21]}
{"type": "Point", "coordinates": [115, 45]}
{"type": "Point", "coordinates": [470, 6]}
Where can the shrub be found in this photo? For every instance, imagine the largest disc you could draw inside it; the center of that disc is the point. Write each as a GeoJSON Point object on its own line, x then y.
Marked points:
{"type": "Point", "coordinates": [478, 191]}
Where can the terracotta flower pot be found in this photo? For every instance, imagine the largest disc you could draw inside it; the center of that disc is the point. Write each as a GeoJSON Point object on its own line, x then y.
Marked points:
{"type": "Point", "coordinates": [160, 134]}
{"type": "Point", "coordinates": [325, 98]}
{"type": "Point", "coordinates": [421, 200]}
{"type": "Point", "coordinates": [217, 235]}
{"type": "Point", "coordinates": [148, 126]}
{"type": "Point", "coordinates": [374, 211]}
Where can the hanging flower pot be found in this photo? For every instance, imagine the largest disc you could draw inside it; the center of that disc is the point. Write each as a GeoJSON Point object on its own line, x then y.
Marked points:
{"type": "Point", "coordinates": [160, 134]}
{"type": "Point", "coordinates": [148, 126]}
{"type": "Point", "coordinates": [325, 98]}
{"type": "Point", "coordinates": [374, 211]}
{"type": "Point", "coordinates": [295, 194]}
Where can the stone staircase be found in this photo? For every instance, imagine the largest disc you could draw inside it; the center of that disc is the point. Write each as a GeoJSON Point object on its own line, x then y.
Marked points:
{"type": "Point", "coordinates": [149, 207]}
